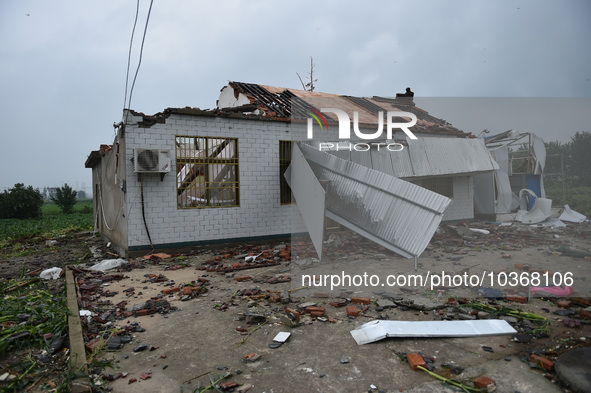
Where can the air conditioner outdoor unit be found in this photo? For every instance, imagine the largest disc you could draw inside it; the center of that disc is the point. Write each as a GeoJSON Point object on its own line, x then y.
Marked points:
{"type": "Point", "coordinates": [151, 160]}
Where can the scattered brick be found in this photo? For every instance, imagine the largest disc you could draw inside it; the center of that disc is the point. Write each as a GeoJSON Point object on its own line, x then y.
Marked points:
{"type": "Point", "coordinates": [586, 313]}
{"type": "Point", "coordinates": [187, 290]}
{"type": "Point", "coordinates": [291, 312]}
{"type": "Point", "coordinates": [563, 303]}
{"type": "Point", "coordinates": [339, 303]}
{"type": "Point", "coordinates": [243, 278]}
{"type": "Point", "coordinates": [352, 311]}
{"type": "Point", "coordinates": [168, 291]}
{"type": "Point", "coordinates": [141, 313]}
{"type": "Point", "coordinates": [93, 344]}
{"type": "Point", "coordinates": [506, 256]}
{"type": "Point", "coordinates": [484, 383]}
{"type": "Point", "coordinates": [415, 360]}
{"type": "Point", "coordinates": [229, 385]}
{"type": "Point", "coordinates": [132, 380]}
{"type": "Point", "coordinates": [520, 299]}
{"type": "Point", "coordinates": [360, 300]}
{"type": "Point", "coordinates": [543, 362]}
{"type": "Point", "coordinates": [332, 320]}
{"type": "Point", "coordinates": [315, 309]}
{"type": "Point", "coordinates": [251, 357]}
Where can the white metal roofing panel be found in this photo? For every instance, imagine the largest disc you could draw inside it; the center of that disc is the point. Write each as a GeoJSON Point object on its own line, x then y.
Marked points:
{"type": "Point", "coordinates": [309, 195]}
{"type": "Point", "coordinates": [433, 156]}
{"type": "Point", "coordinates": [381, 160]}
{"type": "Point", "coordinates": [377, 330]}
{"type": "Point", "coordinates": [362, 158]}
{"type": "Point", "coordinates": [397, 214]}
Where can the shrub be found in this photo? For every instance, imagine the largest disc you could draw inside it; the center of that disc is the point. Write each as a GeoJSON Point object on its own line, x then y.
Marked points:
{"type": "Point", "coordinates": [21, 202]}
{"type": "Point", "coordinates": [65, 198]}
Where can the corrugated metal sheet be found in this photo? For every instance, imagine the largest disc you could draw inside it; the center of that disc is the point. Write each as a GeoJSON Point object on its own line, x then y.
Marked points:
{"type": "Point", "coordinates": [425, 157]}
{"type": "Point", "coordinates": [444, 156]}
{"type": "Point", "coordinates": [309, 196]}
{"type": "Point", "coordinates": [394, 213]}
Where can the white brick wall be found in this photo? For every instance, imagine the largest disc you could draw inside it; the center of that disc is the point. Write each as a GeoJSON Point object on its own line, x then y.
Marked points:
{"type": "Point", "coordinates": [260, 212]}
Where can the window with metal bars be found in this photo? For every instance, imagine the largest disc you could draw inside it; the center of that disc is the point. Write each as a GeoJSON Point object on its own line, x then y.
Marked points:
{"type": "Point", "coordinates": [207, 172]}
{"type": "Point", "coordinates": [284, 161]}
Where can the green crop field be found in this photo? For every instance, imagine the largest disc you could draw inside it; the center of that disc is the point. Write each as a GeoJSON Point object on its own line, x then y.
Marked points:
{"type": "Point", "coordinates": [82, 206]}
{"type": "Point", "coordinates": [53, 223]}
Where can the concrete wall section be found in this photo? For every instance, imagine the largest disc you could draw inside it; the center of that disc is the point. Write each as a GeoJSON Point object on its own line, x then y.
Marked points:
{"type": "Point", "coordinates": [260, 212]}
{"type": "Point", "coordinates": [109, 178]}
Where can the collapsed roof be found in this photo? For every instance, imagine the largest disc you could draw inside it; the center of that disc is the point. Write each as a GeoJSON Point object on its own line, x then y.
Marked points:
{"type": "Point", "coordinates": [280, 103]}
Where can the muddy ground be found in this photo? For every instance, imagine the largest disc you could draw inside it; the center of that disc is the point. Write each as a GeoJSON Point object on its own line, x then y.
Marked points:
{"type": "Point", "coordinates": [194, 335]}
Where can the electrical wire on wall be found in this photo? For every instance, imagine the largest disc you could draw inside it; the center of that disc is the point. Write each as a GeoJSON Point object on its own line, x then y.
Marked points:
{"type": "Point", "coordinates": [144, 211]}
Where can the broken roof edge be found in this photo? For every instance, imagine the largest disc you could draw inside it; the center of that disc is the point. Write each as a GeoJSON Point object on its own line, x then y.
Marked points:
{"type": "Point", "coordinates": [160, 117]}
{"type": "Point", "coordinates": [93, 159]}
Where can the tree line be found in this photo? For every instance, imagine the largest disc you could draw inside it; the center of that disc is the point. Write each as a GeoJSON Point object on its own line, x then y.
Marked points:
{"type": "Point", "coordinates": [576, 158]}
{"type": "Point", "coordinates": [26, 202]}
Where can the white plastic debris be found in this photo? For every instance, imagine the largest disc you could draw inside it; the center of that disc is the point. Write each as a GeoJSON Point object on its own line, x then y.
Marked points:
{"type": "Point", "coordinates": [570, 215]}
{"type": "Point", "coordinates": [108, 264]}
{"type": "Point", "coordinates": [282, 337]}
{"type": "Point", "coordinates": [85, 313]}
{"type": "Point", "coordinates": [540, 212]}
{"type": "Point", "coordinates": [552, 222]}
{"type": "Point", "coordinates": [252, 258]}
{"type": "Point", "coordinates": [51, 274]}
{"type": "Point", "coordinates": [481, 231]}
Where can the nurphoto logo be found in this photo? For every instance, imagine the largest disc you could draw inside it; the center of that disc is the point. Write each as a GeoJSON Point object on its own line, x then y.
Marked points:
{"type": "Point", "coordinates": [345, 129]}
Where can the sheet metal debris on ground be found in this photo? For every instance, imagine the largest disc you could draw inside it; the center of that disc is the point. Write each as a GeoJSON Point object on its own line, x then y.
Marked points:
{"type": "Point", "coordinates": [378, 330]}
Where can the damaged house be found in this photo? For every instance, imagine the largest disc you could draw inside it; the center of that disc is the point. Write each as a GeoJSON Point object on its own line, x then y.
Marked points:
{"type": "Point", "coordinates": [518, 181]}
{"type": "Point", "coordinates": [186, 176]}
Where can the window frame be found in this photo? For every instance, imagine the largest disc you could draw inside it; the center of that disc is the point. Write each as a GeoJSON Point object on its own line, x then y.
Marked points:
{"type": "Point", "coordinates": [285, 194]}
{"type": "Point", "coordinates": [207, 187]}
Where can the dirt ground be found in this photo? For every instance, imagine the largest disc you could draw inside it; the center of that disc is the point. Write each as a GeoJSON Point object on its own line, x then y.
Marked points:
{"type": "Point", "coordinates": [194, 339]}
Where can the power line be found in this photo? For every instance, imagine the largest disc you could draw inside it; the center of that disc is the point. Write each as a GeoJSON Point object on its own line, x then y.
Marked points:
{"type": "Point", "coordinates": [141, 53]}
{"type": "Point", "coordinates": [137, 10]}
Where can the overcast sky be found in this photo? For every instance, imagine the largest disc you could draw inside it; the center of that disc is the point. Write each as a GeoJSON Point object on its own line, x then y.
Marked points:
{"type": "Point", "coordinates": [63, 64]}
